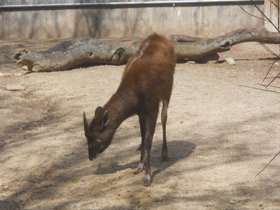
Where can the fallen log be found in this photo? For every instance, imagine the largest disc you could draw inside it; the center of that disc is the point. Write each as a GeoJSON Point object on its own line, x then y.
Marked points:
{"type": "Point", "coordinates": [70, 54]}
{"type": "Point", "coordinates": [73, 53]}
{"type": "Point", "coordinates": [198, 49]}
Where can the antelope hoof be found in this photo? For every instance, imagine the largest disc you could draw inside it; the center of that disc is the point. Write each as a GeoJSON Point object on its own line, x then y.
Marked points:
{"type": "Point", "coordinates": [139, 168]}
{"type": "Point", "coordinates": [147, 180]}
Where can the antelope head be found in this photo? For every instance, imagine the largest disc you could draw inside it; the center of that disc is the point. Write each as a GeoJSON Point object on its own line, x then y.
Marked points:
{"type": "Point", "coordinates": [98, 135]}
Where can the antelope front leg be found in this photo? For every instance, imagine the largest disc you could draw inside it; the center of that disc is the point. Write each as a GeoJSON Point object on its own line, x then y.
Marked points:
{"type": "Point", "coordinates": [148, 144]}
{"type": "Point", "coordinates": [164, 153]}
{"type": "Point", "coordinates": [141, 164]}
{"type": "Point", "coordinates": [148, 175]}
{"type": "Point", "coordinates": [142, 123]}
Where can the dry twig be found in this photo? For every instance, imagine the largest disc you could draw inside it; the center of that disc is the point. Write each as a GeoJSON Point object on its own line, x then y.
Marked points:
{"type": "Point", "coordinates": [268, 163]}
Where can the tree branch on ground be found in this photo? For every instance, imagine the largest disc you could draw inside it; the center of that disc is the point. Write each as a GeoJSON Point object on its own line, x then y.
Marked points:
{"type": "Point", "coordinates": [268, 163]}
{"type": "Point", "coordinates": [88, 51]}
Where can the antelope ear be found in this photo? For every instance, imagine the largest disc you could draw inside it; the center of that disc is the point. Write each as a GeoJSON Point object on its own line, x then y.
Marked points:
{"type": "Point", "coordinates": [98, 109]}
{"type": "Point", "coordinates": [105, 119]}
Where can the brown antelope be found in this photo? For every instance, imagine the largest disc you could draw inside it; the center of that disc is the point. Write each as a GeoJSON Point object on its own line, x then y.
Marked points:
{"type": "Point", "coordinates": [147, 80]}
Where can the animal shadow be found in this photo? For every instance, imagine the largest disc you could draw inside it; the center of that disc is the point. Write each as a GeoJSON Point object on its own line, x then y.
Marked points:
{"type": "Point", "coordinates": [177, 150]}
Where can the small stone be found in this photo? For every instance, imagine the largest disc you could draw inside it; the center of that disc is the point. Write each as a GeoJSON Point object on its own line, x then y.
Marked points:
{"type": "Point", "coordinates": [230, 61]}
{"type": "Point", "coordinates": [235, 201]}
{"type": "Point", "coordinates": [232, 201]}
{"type": "Point", "coordinates": [14, 87]}
{"type": "Point", "coordinates": [25, 68]}
{"type": "Point", "coordinates": [18, 74]}
{"type": "Point", "coordinates": [4, 74]}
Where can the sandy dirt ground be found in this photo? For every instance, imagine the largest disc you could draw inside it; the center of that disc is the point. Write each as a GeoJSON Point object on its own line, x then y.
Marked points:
{"type": "Point", "coordinates": [223, 128]}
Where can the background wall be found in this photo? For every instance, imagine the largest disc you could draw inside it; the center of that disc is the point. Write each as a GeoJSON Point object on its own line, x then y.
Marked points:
{"type": "Point", "coordinates": [193, 20]}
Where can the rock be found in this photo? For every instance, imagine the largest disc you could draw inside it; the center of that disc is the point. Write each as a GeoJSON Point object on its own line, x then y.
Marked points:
{"type": "Point", "coordinates": [18, 74]}
{"type": "Point", "coordinates": [14, 87]}
{"type": "Point", "coordinates": [232, 201]}
{"type": "Point", "coordinates": [25, 68]}
{"type": "Point", "coordinates": [230, 61]}
{"type": "Point", "coordinates": [4, 74]}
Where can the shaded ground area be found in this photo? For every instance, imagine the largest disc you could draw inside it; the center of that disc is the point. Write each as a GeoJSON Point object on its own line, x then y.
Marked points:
{"type": "Point", "coordinates": [223, 128]}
